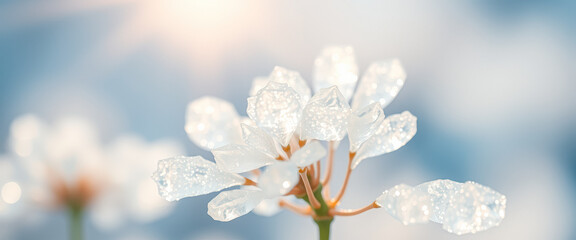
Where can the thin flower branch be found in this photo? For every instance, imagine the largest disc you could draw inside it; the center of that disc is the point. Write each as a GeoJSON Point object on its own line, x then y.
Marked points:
{"type": "Point", "coordinates": [249, 182]}
{"type": "Point", "coordinates": [329, 165]}
{"type": "Point", "coordinates": [318, 172]}
{"type": "Point", "coordinates": [335, 212]}
{"type": "Point", "coordinates": [306, 211]}
{"type": "Point", "coordinates": [338, 197]}
{"type": "Point", "coordinates": [313, 201]}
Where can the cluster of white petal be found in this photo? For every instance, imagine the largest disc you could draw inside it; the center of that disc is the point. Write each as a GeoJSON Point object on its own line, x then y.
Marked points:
{"type": "Point", "coordinates": [461, 208]}
{"type": "Point", "coordinates": [283, 114]}
{"type": "Point", "coordinates": [69, 153]}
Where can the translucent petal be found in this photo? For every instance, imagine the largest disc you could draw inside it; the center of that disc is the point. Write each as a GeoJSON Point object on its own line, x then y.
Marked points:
{"type": "Point", "coordinates": [278, 179]}
{"type": "Point", "coordinates": [293, 80]}
{"type": "Point", "coordinates": [276, 109]}
{"type": "Point", "coordinates": [240, 158]}
{"type": "Point", "coordinates": [257, 84]}
{"type": "Point", "coordinates": [440, 192]}
{"type": "Point", "coordinates": [325, 117]}
{"type": "Point", "coordinates": [235, 203]}
{"type": "Point", "coordinates": [257, 138]}
{"type": "Point", "coordinates": [363, 123]}
{"type": "Point", "coordinates": [180, 177]}
{"type": "Point", "coordinates": [268, 207]}
{"type": "Point", "coordinates": [310, 153]}
{"type": "Point", "coordinates": [251, 108]}
{"type": "Point", "coordinates": [406, 204]}
{"type": "Point", "coordinates": [212, 123]}
{"type": "Point", "coordinates": [394, 132]}
{"type": "Point", "coordinates": [474, 208]}
{"type": "Point", "coordinates": [381, 83]}
{"type": "Point", "coordinates": [336, 65]}
{"type": "Point", "coordinates": [248, 121]}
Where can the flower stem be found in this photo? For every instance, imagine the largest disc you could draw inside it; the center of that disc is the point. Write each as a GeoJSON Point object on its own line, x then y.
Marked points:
{"type": "Point", "coordinates": [324, 228]}
{"type": "Point", "coordinates": [322, 214]}
{"type": "Point", "coordinates": [76, 232]}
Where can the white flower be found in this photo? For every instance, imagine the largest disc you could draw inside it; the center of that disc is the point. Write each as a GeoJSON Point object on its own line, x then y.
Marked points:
{"type": "Point", "coordinates": [66, 164]}
{"type": "Point", "coordinates": [281, 146]}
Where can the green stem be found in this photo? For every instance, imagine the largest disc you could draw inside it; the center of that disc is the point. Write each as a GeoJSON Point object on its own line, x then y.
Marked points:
{"type": "Point", "coordinates": [76, 222]}
{"type": "Point", "coordinates": [324, 228]}
{"type": "Point", "coordinates": [323, 218]}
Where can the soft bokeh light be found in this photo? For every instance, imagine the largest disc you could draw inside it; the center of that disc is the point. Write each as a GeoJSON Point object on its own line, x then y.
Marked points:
{"type": "Point", "coordinates": [11, 192]}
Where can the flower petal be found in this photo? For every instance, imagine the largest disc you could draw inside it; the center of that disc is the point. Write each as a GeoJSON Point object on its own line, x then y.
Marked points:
{"type": "Point", "coordinates": [310, 153]}
{"type": "Point", "coordinates": [474, 208]}
{"type": "Point", "coordinates": [395, 132]}
{"type": "Point", "coordinates": [276, 109]}
{"type": "Point", "coordinates": [268, 207]}
{"type": "Point", "coordinates": [440, 191]}
{"type": "Point", "coordinates": [336, 65]}
{"type": "Point", "coordinates": [240, 158]}
{"type": "Point", "coordinates": [363, 123]}
{"type": "Point", "coordinates": [293, 80]}
{"type": "Point", "coordinates": [406, 204]}
{"type": "Point", "coordinates": [257, 138]}
{"type": "Point", "coordinates": [257, 84]}
{"type": "Point", "coordinates": [235, 203]}
{"type": "Point", "coordinates": [212, 122]}
{"type": "Point", "coordinates": [181, 177]}
{"type": "Point", "coordinates": [325, 117]}
{"type": "Point", "coordinates": [278, 179]}
{"type": "Point", "coordinates": [381, 83]}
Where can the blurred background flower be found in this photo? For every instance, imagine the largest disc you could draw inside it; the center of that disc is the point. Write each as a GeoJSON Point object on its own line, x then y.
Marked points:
{"type": "Point", "coordinates": [490, 81]}
{"type": "Point", "coordinates": [65, 166]}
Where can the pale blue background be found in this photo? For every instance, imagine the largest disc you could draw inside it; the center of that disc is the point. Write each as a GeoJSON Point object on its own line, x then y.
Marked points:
{"type": "Point", "coordinates": [491, 82]}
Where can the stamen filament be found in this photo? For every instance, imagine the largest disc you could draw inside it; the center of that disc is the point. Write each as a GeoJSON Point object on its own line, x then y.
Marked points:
{"type": "Point", "coordinates": [313, 201]}
{"type": "Point", "coordinates": [287, 150]}
{"type": "Point", "coordinates": [318, 172]}
{"type": "Point", "coordinates": [249, 182]}
{"type": "Point", "coordinates": [306, 211]}
{"type": "Point", "coordinates": [330, 163]}
{"type": "Point", "coordinates": [347, 212]}
{"type": "Point", "coordinates": [335, 201]}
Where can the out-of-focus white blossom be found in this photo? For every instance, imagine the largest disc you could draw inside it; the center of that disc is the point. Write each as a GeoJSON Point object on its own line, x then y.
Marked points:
{"type": "Point", "coordinates": [65, 163]}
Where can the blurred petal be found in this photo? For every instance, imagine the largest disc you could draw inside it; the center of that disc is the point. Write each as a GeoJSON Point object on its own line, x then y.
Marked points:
{"type": "Point", "coordinates": [268, 207]}
{"type": "Point", "coordinates": [310, 153]}
{"type": "Point", "coordinates": [381, 83]}
{"type": "Point", "coordinates": [240, 158]}
{"type": "Point", "coordinates": [235, 203]}
{"type": "Point", "coordinates": [336, 65]}
{"type": "Point", "coordinates": [293, 80]}
{"type": "Point", "coordinates": [278, 179]}
{"type": "Point", "coordinates": [257, 138]}
{"type": "Point", "coordinates": [212, 123]}
{"type": "Point", "coordinates": [363, 123]}
{"type": "Point", "coordinates": [181, 177]}
{"type": "Point", "coordinates": [325, 117]}
{"type": "Point", "coordinates": [395, 132]}
{"type": "Point", "coordinates": [276, 109]}
{"type": "Point", "coordinates": [25, 132]}
{"type": "Point", "coordinates": [406, 204]}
